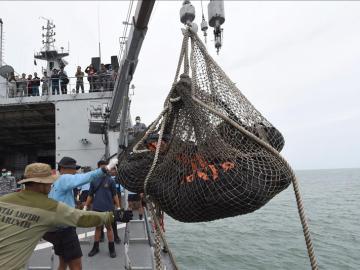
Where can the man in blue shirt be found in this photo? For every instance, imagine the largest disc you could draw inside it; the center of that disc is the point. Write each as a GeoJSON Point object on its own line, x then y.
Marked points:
{"type": "Point", "coordinates": [65, 239]}
{"type": "Point", "coordinates": [103, 195]}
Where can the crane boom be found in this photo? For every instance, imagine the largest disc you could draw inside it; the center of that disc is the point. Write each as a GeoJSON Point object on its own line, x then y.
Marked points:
{"type": "Point", "coordinates": [119, 102]}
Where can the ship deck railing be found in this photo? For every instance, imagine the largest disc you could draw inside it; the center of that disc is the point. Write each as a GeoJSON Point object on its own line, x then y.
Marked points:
{"type": "Point", "coordinates": [92, 84]}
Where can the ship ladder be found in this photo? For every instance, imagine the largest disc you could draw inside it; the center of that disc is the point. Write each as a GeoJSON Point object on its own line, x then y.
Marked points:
{"type": "Point", "coordinates": [139, 246]}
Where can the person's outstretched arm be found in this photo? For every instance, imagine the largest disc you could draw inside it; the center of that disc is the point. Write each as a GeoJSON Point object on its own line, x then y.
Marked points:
{"type": "Point", "coordinates": [71, 181]}
{"type": "Point", "coordinates": [66, 215]}
{"type": "Point", "coordinates": [69, 216]}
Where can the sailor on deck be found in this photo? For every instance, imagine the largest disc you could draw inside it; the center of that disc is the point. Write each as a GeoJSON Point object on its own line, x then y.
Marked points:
{"type": "Point", "coordinates": [103, 196]}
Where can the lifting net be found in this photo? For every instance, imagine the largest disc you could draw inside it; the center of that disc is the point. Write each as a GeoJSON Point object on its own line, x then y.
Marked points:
{"type": "Point", "coordinates": [210, 154]}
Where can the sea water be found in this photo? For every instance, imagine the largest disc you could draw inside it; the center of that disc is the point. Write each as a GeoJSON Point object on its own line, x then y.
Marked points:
{"type": "Point", "coordinates": [272, 237]}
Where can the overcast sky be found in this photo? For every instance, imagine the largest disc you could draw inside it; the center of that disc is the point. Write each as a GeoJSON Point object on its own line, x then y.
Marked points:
{"type": "Point", "coordinates": [297, 62]}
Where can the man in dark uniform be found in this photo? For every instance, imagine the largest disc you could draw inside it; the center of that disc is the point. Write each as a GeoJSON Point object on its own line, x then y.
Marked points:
{"type": "Point", "coordinates": [103, 195]}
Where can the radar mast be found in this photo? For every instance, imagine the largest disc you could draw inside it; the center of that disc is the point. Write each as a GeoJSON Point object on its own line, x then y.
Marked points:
{"type": "Point", "coordinates": [49, 53]}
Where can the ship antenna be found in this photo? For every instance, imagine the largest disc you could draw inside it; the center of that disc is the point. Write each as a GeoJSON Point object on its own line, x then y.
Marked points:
{"type": "Point", "coordinates": [49, 39]}
{"type": "Point", "coordinates": [98, 17]}
{"type": "Point", "coordinates": [1, 42]}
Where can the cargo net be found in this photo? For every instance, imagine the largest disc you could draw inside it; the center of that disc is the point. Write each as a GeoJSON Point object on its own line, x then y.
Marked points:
{"type": "Point", "coordinates": [210, 154]}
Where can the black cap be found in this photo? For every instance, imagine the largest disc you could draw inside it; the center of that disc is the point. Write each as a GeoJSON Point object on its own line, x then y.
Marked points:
{"type": "Point", "coordinates": [68, 163]}
{"type": "Point", "coordinates": [137, 117]}
{"type": "Point", "coordinates": [102, 162]}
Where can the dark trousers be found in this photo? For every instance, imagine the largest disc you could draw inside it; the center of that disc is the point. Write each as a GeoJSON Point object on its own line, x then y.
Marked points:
{"type": "Point", "coordinates": [64, 89]}
{"type": "Point", "coordinates": [35, 91]}
{"type": "Point", "coordinates": [79, 84]}
{"type": "Point", "coordinates": [93, 86]}
{"type": "Point", "coordinates": [55, 88]}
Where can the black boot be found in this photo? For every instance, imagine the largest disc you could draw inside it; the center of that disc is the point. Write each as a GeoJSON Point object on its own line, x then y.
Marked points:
{"type": "Point", "coordinates": [140, 216]}
{"type": "Point", "coordinates": [112, 250]}
{"type": "Point", "coordinates": [94, 250]}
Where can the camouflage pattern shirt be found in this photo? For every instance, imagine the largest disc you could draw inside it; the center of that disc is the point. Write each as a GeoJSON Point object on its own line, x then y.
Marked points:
{"type": "Point", "coordinates": [24, 218]}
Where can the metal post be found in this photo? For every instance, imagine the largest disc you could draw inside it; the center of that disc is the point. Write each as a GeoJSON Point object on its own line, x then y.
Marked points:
{"type": "Point", "coordinates": [1, 42]}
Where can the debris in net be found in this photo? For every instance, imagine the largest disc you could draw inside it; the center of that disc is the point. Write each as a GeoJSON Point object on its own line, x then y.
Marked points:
{"type": "Point", "coordinates": [208, 167]}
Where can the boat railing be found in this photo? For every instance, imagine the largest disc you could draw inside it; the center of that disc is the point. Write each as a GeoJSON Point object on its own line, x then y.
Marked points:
{"type": "Point", "coordinates": [56, 86]}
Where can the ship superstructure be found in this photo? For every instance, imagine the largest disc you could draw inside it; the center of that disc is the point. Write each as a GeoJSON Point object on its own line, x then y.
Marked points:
{"type": "Point", "coordinates": [48, 126]}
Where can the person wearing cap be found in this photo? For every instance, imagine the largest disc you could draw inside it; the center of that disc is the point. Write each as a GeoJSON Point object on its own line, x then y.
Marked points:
{"type": "Point", "coordinates": [138, 127]}
{"type": "Point", "coordinates": [65, 239]}
{"type": "Point", "coordinates": [26, 215]}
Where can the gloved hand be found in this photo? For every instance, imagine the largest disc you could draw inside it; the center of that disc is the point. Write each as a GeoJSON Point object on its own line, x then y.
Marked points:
{"type": "Point", "coordinates": [112, 163]}
{"type": "Point", "coordinates": [85, 208]}
{"type": "Point", "coordinates": [122, 215]}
